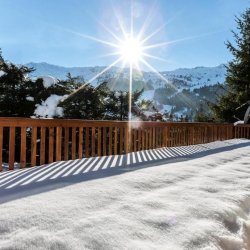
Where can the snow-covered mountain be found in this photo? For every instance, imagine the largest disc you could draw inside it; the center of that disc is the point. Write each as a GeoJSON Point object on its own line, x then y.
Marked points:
{"type": "Point", "coordinates": [179, 91]}
{"type": "Point", "coordinates": [180, 78]}
{"type": "Point", "coordinates": [61, 72]}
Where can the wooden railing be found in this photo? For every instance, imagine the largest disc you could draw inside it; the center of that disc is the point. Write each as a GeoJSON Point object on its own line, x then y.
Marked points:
{"type": "Point", "coordinates": [33, 142]}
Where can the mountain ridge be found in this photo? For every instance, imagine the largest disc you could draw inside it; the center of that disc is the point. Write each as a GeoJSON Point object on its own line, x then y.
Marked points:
{"type": "Point", "coordinates": [181, 77]}
{"type": "Point", "coordinates": [39, 65]}
{"type": "Point", "coordinates": [168, 92]}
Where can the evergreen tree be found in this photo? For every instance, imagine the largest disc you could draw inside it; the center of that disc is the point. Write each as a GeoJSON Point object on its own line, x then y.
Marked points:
{"type": "Point", "coordinates": [19, 94]}
{"type": "Point", "coordinates": [15, 90]}
{"type": "Point", "coordinates": [238, 74]}
{"type": "Point", "coordinates": [117, 105]}
{"type": "Point", "coordinates": [100, 103]}
{"type": "Point", "coordinates": [85, 103]}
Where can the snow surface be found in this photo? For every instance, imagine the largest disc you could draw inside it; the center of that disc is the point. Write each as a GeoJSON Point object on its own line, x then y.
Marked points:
{"type": "Point", "coordinates": [192, 197]}
{"type": "Point", "coordinates": [48, 81]}
{"type": "Point", "coordinates": [193, 77]}
{"type": "Point", "coordinates": [148, 95]}
{"type": "Point", "coordinates": [30, 98]}
{"type": "Point", "coordinates": [167, 108]}
{"type": "Point", "coordinates": [48, 108]}
{"type": "Point", "coordinates": [238, 123]}
{"type": "Point", "coordinates": [2, 73]}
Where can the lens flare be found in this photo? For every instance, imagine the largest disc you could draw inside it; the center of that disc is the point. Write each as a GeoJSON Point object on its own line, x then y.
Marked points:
{"type": "Point", "coordinates": [131, 50]}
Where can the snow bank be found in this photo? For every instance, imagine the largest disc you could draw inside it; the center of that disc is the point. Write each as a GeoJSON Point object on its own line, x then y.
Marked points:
{"type": "Point", "coordinates": [48, 108]}
{"type": "Point", "coordinates": [202, 203]}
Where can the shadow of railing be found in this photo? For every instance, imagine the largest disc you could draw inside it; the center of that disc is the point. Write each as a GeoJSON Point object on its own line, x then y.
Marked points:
{"type": "Point", "coordinates": [21, 183]}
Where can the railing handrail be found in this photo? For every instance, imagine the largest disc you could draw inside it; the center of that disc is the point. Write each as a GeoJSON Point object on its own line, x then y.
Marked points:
{"type": "Point", "coordinates": [20, 121]}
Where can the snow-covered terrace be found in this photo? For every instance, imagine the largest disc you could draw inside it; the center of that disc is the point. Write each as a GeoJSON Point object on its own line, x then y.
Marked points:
{"type": "Point", "coordinates": [187, 197]}
{"type": "Point", "coordinates": [139, 185]}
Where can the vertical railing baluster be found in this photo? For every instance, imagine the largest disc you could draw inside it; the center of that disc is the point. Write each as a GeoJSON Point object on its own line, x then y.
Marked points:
{"type": "Point", "coordinates": [139, 139]}
{"type": "Point", "coordinates": [143, 138]}
{"type": "Point", "coordinates": [93, 142]}
{"type": "Point", "coordinates": [23, 147]}
{"type": "Point", "coordinates": [73, 143]}
{"type": "Point", "coordinates": [42, 145]}
{"type": "Point", "coordinates": [87, 143]}
{"type": "Point", "coordinates": [121, 150]}
{"type": "Point", "coordinates": [33, 146]}
{"type": "Point", "coordinates": [104, 141]}
{"type": "Point", "coordinates": [99, 142]}
{"type": "Point", "coordinates": [51, 144]}
{"type": "Point", "coordinates": [134, 139]}
{"type": "Point", "coordinates": [12, 147]}
{"type": "Point", "coordinates": [66, 144]}
{"type": "Point", "coordinates": [126, 136]}
{"type": "Point", "coordinates": [58, 143]}
{"type": "Point", "coordinates": [110, 140]}
{"type": "Point", "coordinates": [115, 140]}
{"type": "Point", "coordinates": [80, 146]}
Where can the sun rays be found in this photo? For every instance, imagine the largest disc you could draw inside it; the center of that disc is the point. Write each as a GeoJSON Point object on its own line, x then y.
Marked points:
{"type": "Point", "coordinates": [132, 47]}
{"type": "Point", "coordinates": [129, 46]}
{"type": "Point", "coordinates": [130, 50]}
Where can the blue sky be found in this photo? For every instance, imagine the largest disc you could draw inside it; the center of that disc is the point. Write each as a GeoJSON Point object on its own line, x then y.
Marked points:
{"type": "Point", "coordinates": [55, 31]}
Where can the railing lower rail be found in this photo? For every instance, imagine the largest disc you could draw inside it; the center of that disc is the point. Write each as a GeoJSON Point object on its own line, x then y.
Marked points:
{"type": "Point", "coordinates": [31, 142]}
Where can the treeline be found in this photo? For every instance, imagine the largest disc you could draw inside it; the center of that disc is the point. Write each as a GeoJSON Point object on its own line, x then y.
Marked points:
{"type": "Point", "coordinates": [20, 96]}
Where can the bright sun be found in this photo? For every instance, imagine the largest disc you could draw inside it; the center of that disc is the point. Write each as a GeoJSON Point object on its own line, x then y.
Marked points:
{"type": "Point", "coordinates": [130, 47]}
{"type": "Point", "coordinates": [131, 50]}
